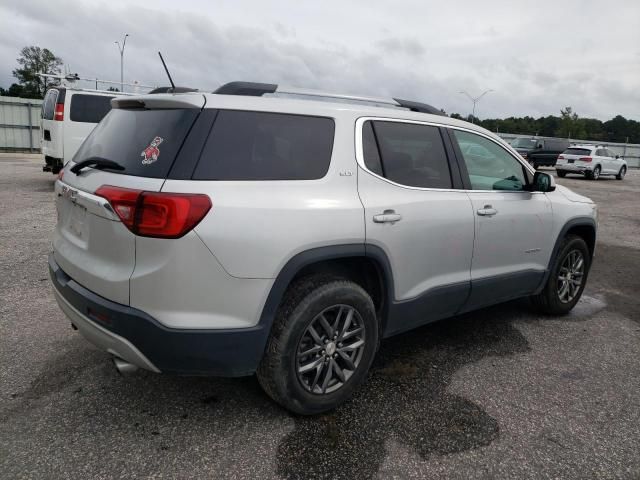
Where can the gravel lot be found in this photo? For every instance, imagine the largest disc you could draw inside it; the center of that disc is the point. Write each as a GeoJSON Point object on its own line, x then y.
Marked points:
{"type": "Point", "coordinates": [500, 393]}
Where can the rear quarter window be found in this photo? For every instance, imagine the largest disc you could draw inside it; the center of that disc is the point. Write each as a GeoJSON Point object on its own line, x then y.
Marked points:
{"type": "Point", "coordinates": [246, 145]}
{"type": "Point", "coordinates": [89, 108]}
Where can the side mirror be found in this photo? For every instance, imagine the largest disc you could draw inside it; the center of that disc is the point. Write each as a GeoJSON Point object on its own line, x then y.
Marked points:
{"type": "Point", "coordinates": [617, 156]}
{"type": "Point", "coordinates": [543, 182]}
{"type": "Point", "coordinates": [539, 145]}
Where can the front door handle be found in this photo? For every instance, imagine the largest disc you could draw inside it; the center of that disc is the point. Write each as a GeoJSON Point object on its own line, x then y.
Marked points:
{"type": "Point", "coordinates": [388, 216]}
{"type": "Point", "coordinates": [487, 211]}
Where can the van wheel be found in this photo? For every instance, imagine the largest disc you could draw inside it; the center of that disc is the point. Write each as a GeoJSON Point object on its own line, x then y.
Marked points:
{"type": "Point", "coordinates": [567, 278]}
{"type": "Point", "coordinates": [561, 173]}
{"type": "Point", "coordinates": [322, 343]}
{"type": "Point", "coordinates": [621, 173]}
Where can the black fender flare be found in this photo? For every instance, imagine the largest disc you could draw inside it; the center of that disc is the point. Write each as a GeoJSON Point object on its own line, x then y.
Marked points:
{"type": "Point", "coordinates": [572, 223]}
{"type": "Point", "coordinates": [319, 254]}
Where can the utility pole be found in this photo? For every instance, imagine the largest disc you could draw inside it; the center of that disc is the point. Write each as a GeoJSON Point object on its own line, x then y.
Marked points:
{"type": "Point", "coordinates": [121, 50]}
{"type": "Point", "coordinates": [475, 100]}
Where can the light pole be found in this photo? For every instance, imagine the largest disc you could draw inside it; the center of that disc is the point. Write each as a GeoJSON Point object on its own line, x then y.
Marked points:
{"type": "Point", "coordinates": [475, 100]}
{"type": "Point", "coordinates": [121, 49]}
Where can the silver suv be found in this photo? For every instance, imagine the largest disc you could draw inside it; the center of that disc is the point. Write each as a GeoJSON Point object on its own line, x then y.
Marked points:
{"type": "Point", "coordinates": [286, 232]}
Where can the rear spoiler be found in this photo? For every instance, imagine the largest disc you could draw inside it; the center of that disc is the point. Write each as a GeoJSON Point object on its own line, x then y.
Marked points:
{"type": "Point", "coordinates": [161, 100]}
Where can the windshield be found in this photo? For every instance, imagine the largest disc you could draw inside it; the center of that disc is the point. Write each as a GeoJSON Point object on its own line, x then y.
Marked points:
{"type": "Point", "coordinates": [523, 143]}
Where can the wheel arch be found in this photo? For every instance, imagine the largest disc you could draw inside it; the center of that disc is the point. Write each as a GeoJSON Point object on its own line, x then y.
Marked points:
{"type": "Point", "coordinates": [366, 265]}
{"type": "Point", "coordinates": [584, 227]}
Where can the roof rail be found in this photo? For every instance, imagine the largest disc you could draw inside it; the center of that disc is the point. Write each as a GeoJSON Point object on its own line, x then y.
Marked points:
{"type": "Point", "coordinates": [173, 90]}
{"type": "Point", "coordinates": [418, 107]}
{"type": "Point", "coordinates": [71, 78]}
{"type": "Point", "coordinates": [260, 89]}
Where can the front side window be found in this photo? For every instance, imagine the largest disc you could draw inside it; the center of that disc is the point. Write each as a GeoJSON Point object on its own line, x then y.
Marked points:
{"type": "Point", "coordinates": [410, 154]}
{"type": "Point", "coordinates": [489, 165]}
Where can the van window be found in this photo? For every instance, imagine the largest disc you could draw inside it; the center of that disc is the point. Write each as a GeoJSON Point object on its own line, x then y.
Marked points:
{"type": "Point", "coordinates": [49, 104]}
{"type": "Point", "coordinates": [145, 142]}
{"type": "Point", "coordinates": [266, 146]}
{"type": "Point", "coordinates": [411, 154]}
{"type": "Point", "coordinates": [89, 108]}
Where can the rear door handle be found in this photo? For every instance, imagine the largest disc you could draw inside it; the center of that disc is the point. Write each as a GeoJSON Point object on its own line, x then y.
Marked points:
{"type": "Point", "coordinates": [388, 216]}
{"type": "Point", "coordinates": [487, 211]}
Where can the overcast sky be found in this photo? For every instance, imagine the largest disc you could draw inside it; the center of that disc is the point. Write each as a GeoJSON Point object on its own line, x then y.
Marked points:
{"type": "Point", "coordinates": [537, 56]}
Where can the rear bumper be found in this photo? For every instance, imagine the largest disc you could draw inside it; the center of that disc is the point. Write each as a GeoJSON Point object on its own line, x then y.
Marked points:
{"type": "Point", "coordinates": [138, 338]}
{"type": "Point", "coordinates": [574, 167]}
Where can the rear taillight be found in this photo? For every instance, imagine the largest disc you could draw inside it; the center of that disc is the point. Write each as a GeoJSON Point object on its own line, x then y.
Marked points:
{"type": "Point", "coordinates": [58, 113]}
{"type": "Point", "coordinates": [585, 159]}
{"type": "Point", "coordinates": [156, 214]}
{"type": "Point", "coordinates": [560, 157]}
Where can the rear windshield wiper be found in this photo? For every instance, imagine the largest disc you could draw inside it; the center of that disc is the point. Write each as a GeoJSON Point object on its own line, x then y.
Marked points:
{"type": "Point", "coordinates": [96, 162]}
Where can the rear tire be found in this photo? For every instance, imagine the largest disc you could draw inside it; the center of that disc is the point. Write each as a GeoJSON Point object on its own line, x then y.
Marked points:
{"type": "Point", "coordinates": [561, 173]}
{"type": "Point", "coordinates": [561, 292]}
{"type": "Point", "coordinates": [595, 174]}
{"type": "Point", "coordinates": [621, 173]}
{"type": "Point", "coordinates": [327, 376]}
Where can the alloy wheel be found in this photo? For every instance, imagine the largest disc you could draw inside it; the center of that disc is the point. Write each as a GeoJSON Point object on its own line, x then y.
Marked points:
{"type": "Point", "coordinates": [330, 350]}
{"type": "Point", "coordinates": [570, 276]}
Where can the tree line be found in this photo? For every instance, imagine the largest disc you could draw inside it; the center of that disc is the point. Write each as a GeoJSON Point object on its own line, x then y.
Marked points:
{"type": "Point", "coordinates": [34, 60]}
{"type": "Point", "coordinates": [567, 125]}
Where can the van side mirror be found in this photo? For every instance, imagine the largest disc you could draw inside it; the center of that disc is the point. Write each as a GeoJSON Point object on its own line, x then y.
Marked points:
{"type": "Point", "coordinates": [539, 145]}
{"type": "Point", "coordinates": [543, 182]}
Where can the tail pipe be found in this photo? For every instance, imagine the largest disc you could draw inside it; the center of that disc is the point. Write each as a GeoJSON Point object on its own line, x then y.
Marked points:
{"type": "Point", "coordinates": [124, 367]}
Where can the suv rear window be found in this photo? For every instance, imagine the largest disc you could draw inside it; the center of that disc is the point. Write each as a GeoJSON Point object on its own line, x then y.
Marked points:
{"type": "Point", "coordinates": [266, 146]}
{"type": "Point", "coordinates": [89, 108]}
{"type": "Point", "coordinates": [577, 151]}
{"type": "Point", "coordinates": [144, 142]}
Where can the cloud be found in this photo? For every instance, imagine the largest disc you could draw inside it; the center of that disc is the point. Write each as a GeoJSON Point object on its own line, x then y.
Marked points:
{"type": "Point", "coordinates": [409, 50]}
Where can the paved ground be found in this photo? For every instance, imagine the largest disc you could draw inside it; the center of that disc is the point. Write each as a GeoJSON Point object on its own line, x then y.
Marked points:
{"type": "Point", "coordinates": [501, 393]}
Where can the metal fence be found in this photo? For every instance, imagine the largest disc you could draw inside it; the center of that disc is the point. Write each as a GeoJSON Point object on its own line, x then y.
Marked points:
{"type": "Point", "coordinates": [629, 151]}
{"type": "Point", "coordinates": [19, 124]}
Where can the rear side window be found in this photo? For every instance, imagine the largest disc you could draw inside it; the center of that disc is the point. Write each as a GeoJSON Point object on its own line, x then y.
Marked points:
{"type": "Point", "coordinates": [144, 142]}
{"type": "Point", "coordinates": [49, 104]}
{"type": "Point", "coordinates": [89, 108]}
{"type": "Point", "coordinates": [266, 146]}
{"type": "Point", "coordinates": [411, 154]}
{"type": "Point", "coordinates": [370, 150]}
{"type": "Point", "coordinates": [577, 151]}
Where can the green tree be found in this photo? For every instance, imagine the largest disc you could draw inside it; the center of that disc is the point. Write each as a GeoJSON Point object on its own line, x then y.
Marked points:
{"type": "Point", "coordinates": [34, 60]}
{"type": "Point", "coordinates": [14, 90]}
{"type": "Point", "coordinates": [570, 125]}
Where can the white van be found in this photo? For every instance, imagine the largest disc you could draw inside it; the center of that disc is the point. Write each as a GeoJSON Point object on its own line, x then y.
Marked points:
{"type": "Point", "coordinates": [68, 117]}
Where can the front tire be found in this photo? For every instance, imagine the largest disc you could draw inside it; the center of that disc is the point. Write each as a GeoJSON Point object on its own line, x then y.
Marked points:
{"type": "Point", "coordinates": [621, 173]}
{"type": "Point", "coordinates": [322, 343]}
{"type": "Point", "coordinates": [567, 278]}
